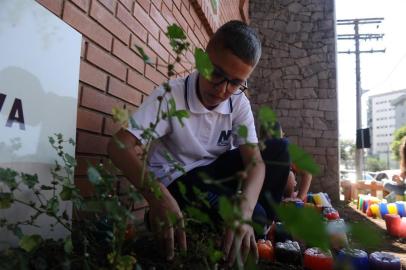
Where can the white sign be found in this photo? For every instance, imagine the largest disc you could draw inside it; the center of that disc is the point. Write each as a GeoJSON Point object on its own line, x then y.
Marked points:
{"type": "Point", "coordinates": [39, 76]}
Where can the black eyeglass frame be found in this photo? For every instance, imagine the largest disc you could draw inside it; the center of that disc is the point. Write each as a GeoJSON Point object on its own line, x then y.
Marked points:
{"type": "Point", "coordinates": [241, 87]}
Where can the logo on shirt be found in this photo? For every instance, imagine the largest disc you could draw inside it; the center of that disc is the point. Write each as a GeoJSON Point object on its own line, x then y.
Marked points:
{"type": "Point", "coordinates": [224, 138]}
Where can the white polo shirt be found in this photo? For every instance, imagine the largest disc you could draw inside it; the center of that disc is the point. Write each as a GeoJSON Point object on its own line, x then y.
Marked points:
{"type": "Point", "coordinates": [206, 134]}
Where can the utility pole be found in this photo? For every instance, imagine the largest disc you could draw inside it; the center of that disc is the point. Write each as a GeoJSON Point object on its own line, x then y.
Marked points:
{"type": "Point", "coordinates": [359, 153]}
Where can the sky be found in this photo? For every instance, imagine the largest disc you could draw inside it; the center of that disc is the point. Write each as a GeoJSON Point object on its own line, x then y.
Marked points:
{"type": "Point", "coordinates": [380, 72]}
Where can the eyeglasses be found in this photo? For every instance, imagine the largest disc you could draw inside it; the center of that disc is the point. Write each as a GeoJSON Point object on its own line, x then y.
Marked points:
{"type": "Point", "coordinates": [235, 87]}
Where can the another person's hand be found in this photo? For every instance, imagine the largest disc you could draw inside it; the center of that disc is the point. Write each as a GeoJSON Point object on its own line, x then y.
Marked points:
{"type": "Point", "coordinates": [168, 234]}
{"type": "Point", "coordinates": [241, 240]}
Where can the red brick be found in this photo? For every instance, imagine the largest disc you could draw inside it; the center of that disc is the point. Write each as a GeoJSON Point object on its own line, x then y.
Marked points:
{"type": "Point", "coordinates": [110, 127]}
{"type": "Point", "coordinates": [100, 14]}
{"type": "Point", "coordinates": [154, 75]}
{"type": "Point", "coordinates": [186, 3]}
{"type": "Point", "coordinates": [157, 48]}
{"type": "Point", "coordinates": [179, 18]}
{"type": "Point", "coordinates": [91, 144]}
{"type": "Point", "coordinates": [126, 17]}
{"type": "Point", "coordinates": [162, 66]}
{"type": "Point", "coordinates": [145, 20]}
{"type": "Point", "coordinates": [82, 4]}
{"type": "Point", "coordinates": [193, 39]}
{"type": "Point", "coordinates": [140, 82]}
{"type": "Point", "coordinates": [86, 189]}
{"type": "Point", "coordinates": [109, 4]}
{"type": "Point", "coordinates": [128, 4]}
{"type": "Point", "coordinates": [195, 17]}
{"type": "Point", "coordinates": [177, 3]}
{"type": "Point", "coordinates": [89, 120]}
{"type": "Point", "coordinates": [157, 17]}
{"type": "Point", "coordinates": [106, 62]}
{"type": "Point", "coordinates": [86, 26]}
{"type": "Point", "coordinates": [125, 92]}
{"type": "Point", "coordinates": [93, 76]}
{"type": "Point", "coordinates": [135, 41]}
{"type": "Point", "coordinates": [168, 3]}
{"type": "Point", "coordinates": [144, 4]}
{"type": "Point", "coordinates": [54, 6]}
{"type": "Point", "coordinates": [128, 56]}
{"type": "Point", "coordinates": [83, 164]}
{"type": "Point", "coordinates": [157, 3]}
{"type": "Point", "coordinates": [200, 37]}
{"type": "Point", "coordinates": [96, 100]}
{"type": "Point", "coordinates": [167, 13]}
{"type": "Point", "coordinates": [186, 14]}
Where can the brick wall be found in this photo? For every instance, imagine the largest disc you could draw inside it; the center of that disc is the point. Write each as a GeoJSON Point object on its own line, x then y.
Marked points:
{"type": "Point", "coordinates": [296, 76]}
{"type": "Point", "coordinates": [111, 73]}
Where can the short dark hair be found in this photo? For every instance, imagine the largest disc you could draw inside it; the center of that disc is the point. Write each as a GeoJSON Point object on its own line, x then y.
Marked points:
{"type": "Point", "coordinates": [242, 40]}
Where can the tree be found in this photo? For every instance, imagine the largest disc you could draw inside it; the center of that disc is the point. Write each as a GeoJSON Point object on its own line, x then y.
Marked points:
{"type": "Point", "coordinates": [347, 152]}
{"type": "Point", "coordinates": [375, 165]}
{"type": "Point", "coordinates": [397, 138]}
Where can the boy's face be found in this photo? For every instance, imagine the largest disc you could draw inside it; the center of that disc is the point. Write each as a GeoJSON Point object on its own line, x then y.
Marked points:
{"type": "Point", "coordinates": [230, 74]}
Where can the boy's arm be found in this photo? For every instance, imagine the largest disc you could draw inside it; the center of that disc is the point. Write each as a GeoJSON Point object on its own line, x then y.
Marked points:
{"type": "Point", "coordinates": [254, 180]}
{"type": "Point", "coordinates": [243, 240]}
{"type": "Point", "coordinates": [129, 160]}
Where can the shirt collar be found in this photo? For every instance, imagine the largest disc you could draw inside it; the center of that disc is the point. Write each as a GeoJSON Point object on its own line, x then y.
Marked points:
{"type": "Point", "coordinates": [196, 106]}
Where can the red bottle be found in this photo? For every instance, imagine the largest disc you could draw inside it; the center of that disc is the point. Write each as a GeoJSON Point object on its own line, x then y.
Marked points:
{"type": "Point", "coordinates": [315, 259]}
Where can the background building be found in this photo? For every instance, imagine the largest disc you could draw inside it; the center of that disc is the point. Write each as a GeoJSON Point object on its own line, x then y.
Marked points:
{"type": "Point", "coordinates": [400, 111]}
{"type": "Point", "coordinates": [382, 123]}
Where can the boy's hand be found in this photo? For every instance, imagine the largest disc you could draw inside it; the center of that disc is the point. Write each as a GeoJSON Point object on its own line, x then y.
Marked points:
{"type": "Point", "coordinates": [167, 233]}
{"type": "Point", "coordinates": [241, 240]}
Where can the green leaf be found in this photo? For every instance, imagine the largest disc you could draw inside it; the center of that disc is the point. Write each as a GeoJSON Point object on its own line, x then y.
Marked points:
{"type": "Point", "coordinates": [30, 242]}
{"type": "Point", "coordinates": [198, 215]}
{"type": "Point", "coordinates": [125, 262]}
{"type": "Point", "coordinates": [53, 206]}
{"type": "Point", "coordinates": [203, 63]}
{"type": "Point", "coordinates": [66, 193]}
{"type": "Point", "coordinates": [5, 200]}
{"type": "Point", "coordinates": [303, 160]}
{"type": "Point", "coordinates": [180, 114]}
{"type": "Point", "coordinates": [267, 119]}
{"type": "Point", "coordinates": [172, 218]}
{"type": "Point", "coordinates": [68, 246]}
{"type": "Point", "coordinates": [363, 233]}
{"type": "Point", "coordinates": [143, 55]}
{"type": "Point", "coordinates": [175, 32]}
{"type": "Point", "coordinates": [29, 180]}
{"type": "Point", "coordinates": [8, 177]}
{"type": "Point", "coordinates": [71, 141]}
{"type": "Point", "coordinates": [243, 131]}
{"type": "Point", "coordinates": [182, 188]}
{"type": "Point", "coordinates": [305, 224]}
{"type": "Point", "coordinates": [266, 115]}
{"type": "Point", "coordinates": [18, 232]}
{"type": "Point", "coordinates": [70, 160]}
{"type": "Point", "coordinates": [94, 175]}
{"type": "Point", "coordinates": [120, 116]}
{"type": "Point", "coordinates": [226, 209]}
{"type": "Point", "coordinates": [51, 140]}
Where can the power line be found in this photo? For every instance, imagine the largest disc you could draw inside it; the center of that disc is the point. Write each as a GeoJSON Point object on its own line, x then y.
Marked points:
{"type": "Point", "coordinates": [357, 36]}
{"type": "Point", "coordinates": [391, 72]}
